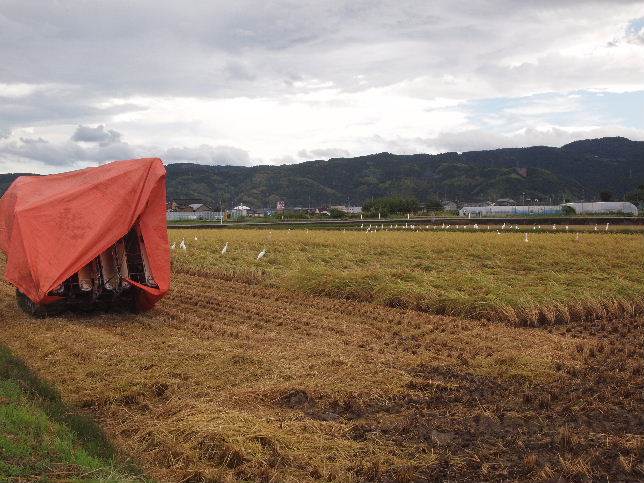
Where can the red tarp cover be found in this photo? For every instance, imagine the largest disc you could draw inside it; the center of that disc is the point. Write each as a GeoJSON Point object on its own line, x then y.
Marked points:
{"type": "Point", "coordinates": [52, 226]}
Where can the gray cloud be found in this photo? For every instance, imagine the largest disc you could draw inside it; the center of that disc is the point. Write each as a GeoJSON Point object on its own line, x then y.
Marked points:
{"type": "Point", "coordinates": [68, 153]}
{"type": "Point", "coordinates": [96, 134]}
{"type": "Point", "coordinates": [58, 104]}
{"type": "Point", "coordinates": [166, 48]}
{"type": "Point", "coordinates": [71, 153]}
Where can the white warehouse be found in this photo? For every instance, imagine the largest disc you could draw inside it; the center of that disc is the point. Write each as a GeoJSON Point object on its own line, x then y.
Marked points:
{"type": "Point", "coordinates": [493, 210]}
{"type": "Point", "coordinates": [593, 208]}
{"type": "Point", "coordinates": [604, 207]}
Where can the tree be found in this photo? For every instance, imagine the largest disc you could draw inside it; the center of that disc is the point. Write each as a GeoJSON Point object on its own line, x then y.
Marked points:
{"type": "Point", "coordinates": [568, 211]}
{"type": "Point", "coordinates": [433, 205]}
{"type": "Point", "coordinates": [605, 196]}
{"type": "Point", "coordinates": [391, 205]}
{"type": "Point", "coordinates": [335, 213]}
{"type": "Point", "coordinates": [636, 197]}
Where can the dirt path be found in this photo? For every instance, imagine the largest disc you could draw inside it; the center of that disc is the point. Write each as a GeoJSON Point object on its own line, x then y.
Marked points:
{"type": "Point", "coordinates": [232, 380]}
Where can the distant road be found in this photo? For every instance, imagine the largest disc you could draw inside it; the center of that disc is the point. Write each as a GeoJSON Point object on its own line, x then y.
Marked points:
{"type": "Point", "coordinates": [558, 220]}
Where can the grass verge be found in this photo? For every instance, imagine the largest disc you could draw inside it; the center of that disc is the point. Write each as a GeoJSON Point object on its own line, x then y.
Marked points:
{"type": "Point", "coordinates": [40, 438]}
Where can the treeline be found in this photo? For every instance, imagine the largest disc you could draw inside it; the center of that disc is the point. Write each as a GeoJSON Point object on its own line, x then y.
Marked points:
{"type": "Point", "coordinates": [395, 205]}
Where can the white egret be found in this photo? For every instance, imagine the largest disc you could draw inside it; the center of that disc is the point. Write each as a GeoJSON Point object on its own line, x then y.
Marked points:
{"type": "Point", "coordinates": [261, 254]}
{"type": "Point", "coordinates": [225, 249]}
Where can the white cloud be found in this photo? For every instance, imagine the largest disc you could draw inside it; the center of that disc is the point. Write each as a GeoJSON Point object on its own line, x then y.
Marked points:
{"type": "Point", "coordinates": [205, 154]}
{"type": "Point", "coordinates": [323, 153]}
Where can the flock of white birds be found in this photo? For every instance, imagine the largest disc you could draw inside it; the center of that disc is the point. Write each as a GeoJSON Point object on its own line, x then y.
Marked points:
{"type": "Point", "coordinates": [407, 226]}
{"type": "Point", "coordinates": [475, 226]}
{"type": "Point", "coordinates": [184, 246]}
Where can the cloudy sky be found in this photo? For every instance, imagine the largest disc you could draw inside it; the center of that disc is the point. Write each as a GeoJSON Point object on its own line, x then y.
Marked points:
{"type": "Point", "coordinates": [271, 82]}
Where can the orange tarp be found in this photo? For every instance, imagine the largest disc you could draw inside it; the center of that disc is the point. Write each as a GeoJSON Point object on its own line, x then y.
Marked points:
{"type": "Point", "coordinates": [52, 226]}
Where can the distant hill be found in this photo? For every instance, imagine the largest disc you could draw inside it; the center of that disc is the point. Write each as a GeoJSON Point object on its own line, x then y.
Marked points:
{"type": "Point", "coordinates": [582, 168]}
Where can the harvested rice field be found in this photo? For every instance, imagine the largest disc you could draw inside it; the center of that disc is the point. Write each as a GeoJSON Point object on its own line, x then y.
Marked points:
{"type": "Point", "coordinates": [553, 277]}
{"type": "Point", "coordinates": [296, 367]}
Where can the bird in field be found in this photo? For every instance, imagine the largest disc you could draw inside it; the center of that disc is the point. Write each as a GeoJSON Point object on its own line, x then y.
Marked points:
{"type": "Point", "coordinates": [225, 249]}
{"type": "Point", "coordinates": [595, 227]}
{"type": "Point", "coordinates": [261, 254]}
{"type": "Point", "coordinates": [182, 245]}
{"type": "Point", "coordinates": [567, 227]}
{"type": "Point", "coordinates": [498, 232]}
{"type": "Point", "coordinates": [195, 238]}
{"type": "Point", "coordinates": [174, 244]}
{"type": "Point", "coordinates": [526, 237]}
{"type": "Point", "coordinates": [607, 226]}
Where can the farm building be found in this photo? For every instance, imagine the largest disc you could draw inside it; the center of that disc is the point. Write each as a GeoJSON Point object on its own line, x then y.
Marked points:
{"type": "Point", "coordinates": [592, 208]}
{"type": "Point", "coordinates": [604, 207]}
{"type": "Point", "coordinates": [353, 210]}
{"type": "Point", "coordinates": [495, 210]}
{"type": "Point", "coordinates": [239, 211]}
{"type": "Point", "coordinates": [197, 207]}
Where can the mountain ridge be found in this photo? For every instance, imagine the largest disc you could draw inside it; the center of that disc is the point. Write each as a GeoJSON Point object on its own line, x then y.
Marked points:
{"type": "Point", "coordinates": [580, 169]}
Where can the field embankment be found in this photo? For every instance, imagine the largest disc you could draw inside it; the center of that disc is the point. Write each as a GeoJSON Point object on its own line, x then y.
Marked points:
{"type": "Point", "coordinates": [551, 278]}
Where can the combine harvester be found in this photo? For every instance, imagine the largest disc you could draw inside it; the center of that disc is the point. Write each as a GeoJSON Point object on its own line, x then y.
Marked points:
{"type": "Point", "coordinates": [94, 238]}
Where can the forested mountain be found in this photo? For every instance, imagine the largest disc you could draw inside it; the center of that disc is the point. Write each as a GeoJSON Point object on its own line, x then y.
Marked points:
{"type": "Point", "coordinates": [576, 170]}
{"type": "Point", "coordinates": [579, 169]}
